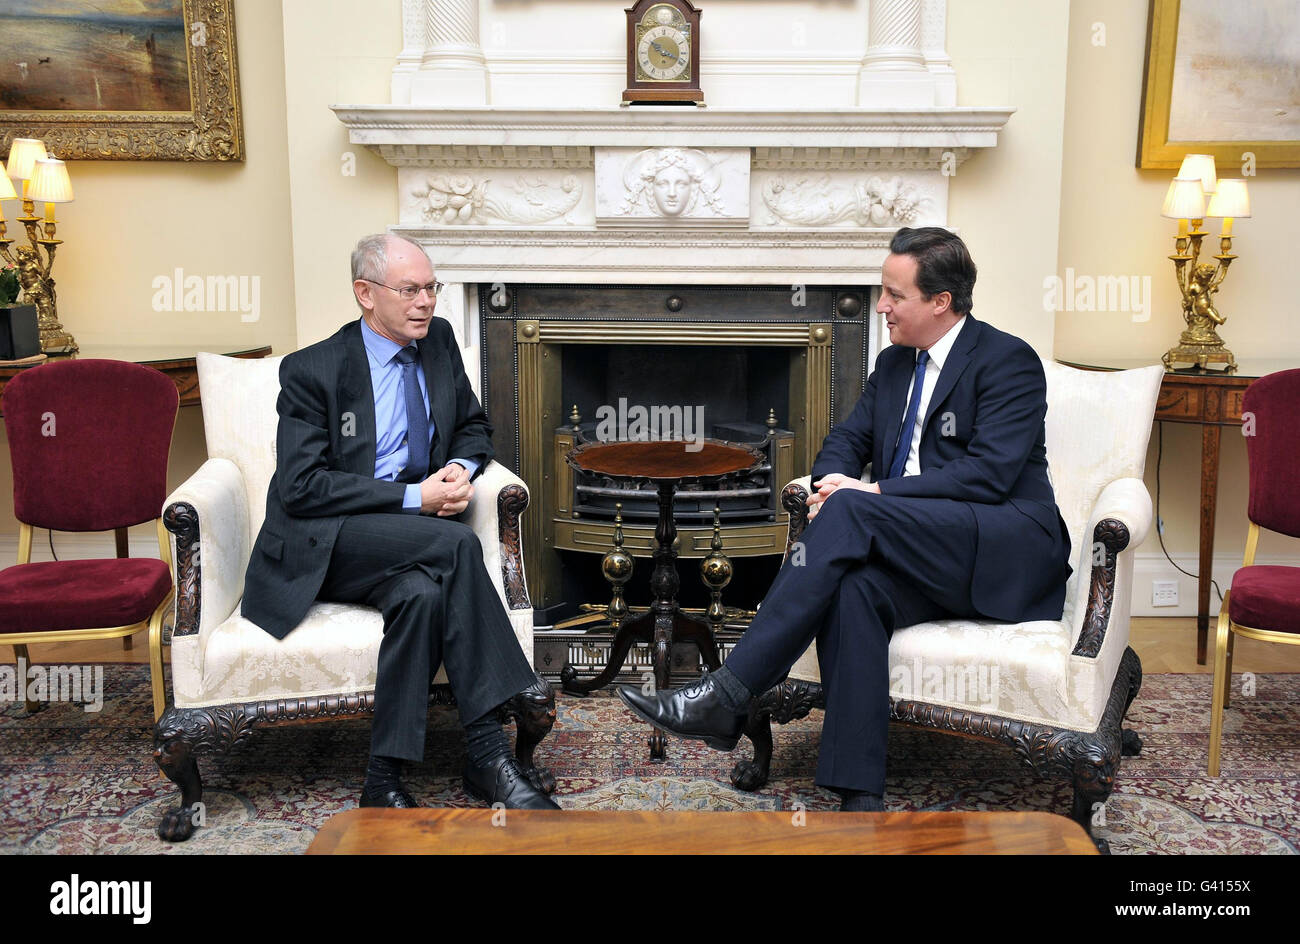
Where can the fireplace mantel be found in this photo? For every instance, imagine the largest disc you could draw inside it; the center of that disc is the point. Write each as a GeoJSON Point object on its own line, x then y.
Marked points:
{"type": "Point", "coordinates": [406, 135]}
{"type": "Point", "coordinates": [776, 195]}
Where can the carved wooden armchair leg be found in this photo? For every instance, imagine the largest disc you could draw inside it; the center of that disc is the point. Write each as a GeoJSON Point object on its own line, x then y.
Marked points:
{"type": "Point", "coordinates": [1096, 757]}
{"type": "Point", "coordinates": [533, 711]}
{"type": "Point", "coordinates": [180, 734]}
{"type": "Point", "coordinates": [782, 703]}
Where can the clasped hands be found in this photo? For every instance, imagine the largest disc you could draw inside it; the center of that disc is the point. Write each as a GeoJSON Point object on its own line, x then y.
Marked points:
{"type": "Point", "coordinates": [828, 485]}
{"type": "Point", "coordinates": [446, 492]}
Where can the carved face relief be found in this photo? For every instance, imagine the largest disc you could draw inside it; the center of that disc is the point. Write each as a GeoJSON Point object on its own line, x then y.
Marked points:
{"type": "Point", "coordinates": [673, 190]}
{"type": "Point", "coordinates": [670, 182]}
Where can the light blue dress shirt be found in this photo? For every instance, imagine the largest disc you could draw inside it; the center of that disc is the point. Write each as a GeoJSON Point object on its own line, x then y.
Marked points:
{"type": "Point", "coordinates": [390, 412]}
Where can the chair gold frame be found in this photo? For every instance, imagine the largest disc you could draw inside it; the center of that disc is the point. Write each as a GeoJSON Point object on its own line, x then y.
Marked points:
{"type": "Point", "coordinates": [154, 623]}
{"type": "Point", "coordinates": [1228, 631]}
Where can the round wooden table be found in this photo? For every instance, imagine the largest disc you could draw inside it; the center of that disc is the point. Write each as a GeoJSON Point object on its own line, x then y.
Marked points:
{"type": "Point", "coordinates": [667, 465]}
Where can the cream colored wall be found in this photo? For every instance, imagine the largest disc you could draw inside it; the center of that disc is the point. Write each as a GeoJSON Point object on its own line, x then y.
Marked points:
{"type": "Point", "coordinates": [1111, 225]}
{"type": "Point", "coordinates": [335, 52]}
{"type": "Point", "coordinates": [1005, 203]}
{"type": "Point", "coordinates": [774, 52]}
{"type": "Point", "coordinates": [135, 220]}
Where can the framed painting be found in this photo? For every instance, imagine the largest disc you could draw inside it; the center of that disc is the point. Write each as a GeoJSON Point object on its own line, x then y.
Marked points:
{"type": "Point", "coordinates": [1222, 79]}
{"type": "Point", "coordinates": [132, 80]}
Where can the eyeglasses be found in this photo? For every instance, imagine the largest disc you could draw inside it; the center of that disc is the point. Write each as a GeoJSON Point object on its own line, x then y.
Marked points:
{"type": "Point", "coordinates": [409, 292]}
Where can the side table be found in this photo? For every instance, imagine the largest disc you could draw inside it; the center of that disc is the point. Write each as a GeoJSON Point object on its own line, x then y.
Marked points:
{"type": "Point", "coordinates": [666, 464]}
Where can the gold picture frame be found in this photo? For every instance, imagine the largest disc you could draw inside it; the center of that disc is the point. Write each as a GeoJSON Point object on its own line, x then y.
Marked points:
{"type": "Point", "coordinates": [1155, 147]}
{"type": "Point", "coordinates": [211, 129]}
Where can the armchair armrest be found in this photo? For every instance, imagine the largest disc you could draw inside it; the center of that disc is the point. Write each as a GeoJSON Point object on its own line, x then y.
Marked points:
{"type": "Point", "coordinates": [500, 497]}
{"type": "Point", "coordinates": [1128, 502]}
{"type": "Point", "coordinates": [1120, 519]}
{"type": "Point", "coordinates": [208, 518]}
{"type": "Point", "coordinates": [794, 499]}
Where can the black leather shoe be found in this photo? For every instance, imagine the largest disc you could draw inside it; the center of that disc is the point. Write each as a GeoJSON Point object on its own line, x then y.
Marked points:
{"type": "Point", "coordinates": [397, 799]}
{"type": "Point", "coordinates": [501, 781]}
{"type": "Point", "coordinates": [697, 711]}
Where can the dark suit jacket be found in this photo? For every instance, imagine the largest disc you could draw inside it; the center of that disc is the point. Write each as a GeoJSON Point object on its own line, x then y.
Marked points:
{"type": "Point", "coordinates": [325, 462]}
{"type": "Point", "coordinates": [982, 443]}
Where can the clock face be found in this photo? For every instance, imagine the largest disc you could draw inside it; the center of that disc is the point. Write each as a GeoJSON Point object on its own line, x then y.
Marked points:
{"type": "Point", "coordinates": [663, 49]}
{"type": "Point", "coordinates": [664, 53]}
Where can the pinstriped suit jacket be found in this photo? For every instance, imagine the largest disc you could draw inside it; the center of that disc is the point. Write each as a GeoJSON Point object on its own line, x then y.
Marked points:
{"type": "Point", "coordinates": [325, 462]}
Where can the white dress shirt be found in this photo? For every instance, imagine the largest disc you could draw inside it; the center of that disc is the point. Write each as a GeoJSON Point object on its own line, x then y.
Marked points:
{"type": "Point", "coordinates": [938, 352]}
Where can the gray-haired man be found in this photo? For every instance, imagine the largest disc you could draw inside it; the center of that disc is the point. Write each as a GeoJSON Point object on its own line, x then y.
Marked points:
{"type": "Point", "coordinates": [380, 436]}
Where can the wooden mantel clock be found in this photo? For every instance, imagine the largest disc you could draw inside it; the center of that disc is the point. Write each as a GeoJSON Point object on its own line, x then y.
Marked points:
{"type": "Point", "coordinates": [663, 53]}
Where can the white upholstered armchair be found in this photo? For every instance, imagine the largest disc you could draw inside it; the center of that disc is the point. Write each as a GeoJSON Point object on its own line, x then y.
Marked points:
{"type": "Point", "coordinates": [227, 674]}
{"type": "Point", "coordinates": [1055, 691]}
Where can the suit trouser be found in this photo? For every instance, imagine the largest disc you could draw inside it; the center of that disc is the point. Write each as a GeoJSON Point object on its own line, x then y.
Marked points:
{"type": "Point", "coordinates": [865, 565]}
{"type": "Point", "coordinates": [426, 575]}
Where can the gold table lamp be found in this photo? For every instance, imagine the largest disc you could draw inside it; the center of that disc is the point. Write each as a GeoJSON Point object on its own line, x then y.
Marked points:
{"type": "Point", "coordinates": [44, 179]}
{"type": "Point", "coordinates": [1200, 344]}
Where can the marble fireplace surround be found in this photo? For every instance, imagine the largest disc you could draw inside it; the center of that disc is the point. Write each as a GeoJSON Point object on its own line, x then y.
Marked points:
{"type": "Point", "coordinates": [500, 190]}
{"type": "Point", "coordinates": [743, 196]}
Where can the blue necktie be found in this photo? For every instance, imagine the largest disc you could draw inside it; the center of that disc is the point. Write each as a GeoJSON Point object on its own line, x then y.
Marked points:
{"type": "Point", "coordinates": [904, 445]}
{"type": "Point", "coordinates": [417, 419]}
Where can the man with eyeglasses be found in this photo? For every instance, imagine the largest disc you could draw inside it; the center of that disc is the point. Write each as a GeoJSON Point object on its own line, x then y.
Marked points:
{"type": "Point", "coordinates": [380, 437]}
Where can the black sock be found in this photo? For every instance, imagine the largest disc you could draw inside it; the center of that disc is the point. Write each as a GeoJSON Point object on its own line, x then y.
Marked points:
{"type": "Point", "coordinates": [734, 692]}
{"type": "Point", "coordinates": [382, 774]}
{"type": "Point", "coordinates": [861, 801]}
{"type": "Point", "coordinates": [485, 740]}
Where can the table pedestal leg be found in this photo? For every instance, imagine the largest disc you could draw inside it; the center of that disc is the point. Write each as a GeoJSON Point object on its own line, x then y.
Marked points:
{"type": "Point", "coordinates": [1209, 502]}
{"type": "Point", "coordinates": [638, 629]}
{"type": "Point", "coordinates": [661, 627]}
{"type": "Point", "coordinates": [665, 583]}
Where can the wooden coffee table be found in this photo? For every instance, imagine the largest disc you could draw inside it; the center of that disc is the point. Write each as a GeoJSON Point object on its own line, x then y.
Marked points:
{"type": "Point", "coordinates": [593, 832]}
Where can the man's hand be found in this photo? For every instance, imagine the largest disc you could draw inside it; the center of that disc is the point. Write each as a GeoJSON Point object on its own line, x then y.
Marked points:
{"type": "Point", "coordinates": [446, 492]}
{"type": "Point", "coordinates": [829, 484]}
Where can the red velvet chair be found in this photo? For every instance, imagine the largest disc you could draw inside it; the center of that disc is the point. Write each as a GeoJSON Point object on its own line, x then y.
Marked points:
{"type": "Point", "coordinates": [1264, 601]}
{"type": "Point", "coordinates": [89, 441]}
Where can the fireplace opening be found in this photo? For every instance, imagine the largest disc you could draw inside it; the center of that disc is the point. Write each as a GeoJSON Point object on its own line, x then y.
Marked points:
{"type": "Point", "coordinates": [756, 364]}
{"type": "Point", "coordinates": [624, 392]}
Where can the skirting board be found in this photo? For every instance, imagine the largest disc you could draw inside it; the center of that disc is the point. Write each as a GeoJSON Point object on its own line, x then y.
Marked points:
{"type": "Point", "coordinates": [1147, 567]}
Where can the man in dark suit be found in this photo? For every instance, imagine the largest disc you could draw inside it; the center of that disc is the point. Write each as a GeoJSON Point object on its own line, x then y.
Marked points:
{"type": "Point", "coordinates": [958, 520]}
{"type": "Point", "coordinates": [379, 438]}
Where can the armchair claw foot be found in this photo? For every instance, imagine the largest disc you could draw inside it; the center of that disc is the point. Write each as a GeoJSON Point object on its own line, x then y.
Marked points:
{"type": "Point", "coordinates": [783, 703]}
{"type": "Point", "coordinates": [533, 711]}
{"type": "Point", "coordinates": [178, 825]}
{"type": "Point", "coordinates": [749, 775]}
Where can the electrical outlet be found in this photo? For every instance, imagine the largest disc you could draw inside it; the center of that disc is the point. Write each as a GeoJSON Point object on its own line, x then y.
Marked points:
{"type": "Point", "coordinates": [1164, 593]}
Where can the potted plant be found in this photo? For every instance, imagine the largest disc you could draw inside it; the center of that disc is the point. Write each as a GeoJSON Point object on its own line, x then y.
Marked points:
{"type": "Point", "coordinates": [19, 336]}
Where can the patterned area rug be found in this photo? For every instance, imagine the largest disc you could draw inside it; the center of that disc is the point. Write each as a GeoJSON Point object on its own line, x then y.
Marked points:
{"type": "Point", "coordinates": [83, 782]}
